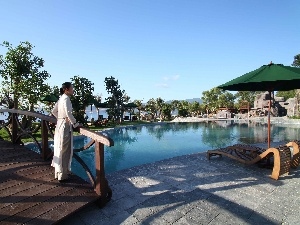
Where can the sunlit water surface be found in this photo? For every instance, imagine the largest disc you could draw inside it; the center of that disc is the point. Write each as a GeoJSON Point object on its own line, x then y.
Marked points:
{"type": "Point", "coordinates": [149, 143]}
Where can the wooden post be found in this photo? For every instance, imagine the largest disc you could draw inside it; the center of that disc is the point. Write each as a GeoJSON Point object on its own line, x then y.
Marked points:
{"type": "Point", "coordinates": [100, 187]}
{"type": "Point", "coordinates": [269, 121]}
{"type": "Point", "coordinates": [14, 132]}
{"type": "Point", "coordinates": [45, 147]}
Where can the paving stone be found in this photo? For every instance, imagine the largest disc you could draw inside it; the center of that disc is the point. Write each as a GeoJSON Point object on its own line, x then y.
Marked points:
{"type": "Point", "coordinates": [184, 207]}
{"type": "Point", "coordinates": [291, 220]}
{"type": "Point", "coordinates": [201, 216]}
{"type": "Point", "coordinates": [276, 214]}
{"type": "Point", "coordinates": [92, 215]}
{"type": "Point", "coordinates": [154, 220]}
{"type": "Point", "coordinates": [258, 218]}
{"type": "Point", "coordinates": [186, 221]}
{"type": "Point", "coordinates": [73, 220]}
{"type": "Point", "coordinates": [140, 212]}
{"type": "Point", "coordinates": [123, 218]}
{"type": "Point", "coordinates": [112, 208]}
{"type": "Point", "coordinates": [228, 219]}
{"type": "Point", "coordinates": [172, 215]}
{"type": "Point", "coordinates": [193, 190]}
{"type": "Point", "coordinates": [209, 206]}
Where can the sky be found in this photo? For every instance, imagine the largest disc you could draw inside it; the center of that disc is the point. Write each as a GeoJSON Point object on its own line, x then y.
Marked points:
{"type": "Point", "coordinates": [169, 49]}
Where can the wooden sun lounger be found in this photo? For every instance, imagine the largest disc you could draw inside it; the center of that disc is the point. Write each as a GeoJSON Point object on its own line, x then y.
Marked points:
{"type": "Point", "coordinates": [249, 155]}
{"type": "Point", "coordinates": [295, 153]}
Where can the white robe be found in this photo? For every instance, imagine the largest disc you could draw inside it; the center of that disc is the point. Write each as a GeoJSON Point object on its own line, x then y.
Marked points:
{"type": "Point", "coordinates": [63, 137]}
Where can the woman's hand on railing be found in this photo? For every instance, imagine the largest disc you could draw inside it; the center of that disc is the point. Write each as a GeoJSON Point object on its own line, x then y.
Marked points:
{"type": "Point", "coordinates": [78, 126]}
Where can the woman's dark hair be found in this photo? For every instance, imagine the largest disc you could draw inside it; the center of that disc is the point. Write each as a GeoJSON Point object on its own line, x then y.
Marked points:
{"type": "Point", "coordinates": [65, 86]}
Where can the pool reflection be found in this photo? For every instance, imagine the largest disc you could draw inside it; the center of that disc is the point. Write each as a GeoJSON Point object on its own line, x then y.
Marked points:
{"type": "Point", "coordinates": [136, 145]}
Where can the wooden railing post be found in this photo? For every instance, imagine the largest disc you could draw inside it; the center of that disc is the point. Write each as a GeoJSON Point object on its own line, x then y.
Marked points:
{"type": "Point", "coordinates": [101, 186]}
{"type": "Point", "coordinates": [14, 124]}
{"type": "Point", "coordinates": [45, 148]}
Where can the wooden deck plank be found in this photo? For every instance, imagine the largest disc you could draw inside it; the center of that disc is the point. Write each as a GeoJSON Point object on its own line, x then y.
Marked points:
{"type": "Point", "coordinates": [25, 171]}
{"type": "Point", "coordinates": [11, 165]}
{"type": "Point", "coordinates": [11, 183]}
{"type": "Point", "coordinates": [79, 195]}
{"type": "Point", "coordinates": [29, 192]}
{"type": "Point", "coordinates": [12, 153]}
{"type": "Point", "coordinates": [21, 187]}
{"type": "Point", "coordinates": [24, 158]}
{"type": "Point", "coordinates": [55, 213]}
{"type": "Point", "coordinates": [11, 180]}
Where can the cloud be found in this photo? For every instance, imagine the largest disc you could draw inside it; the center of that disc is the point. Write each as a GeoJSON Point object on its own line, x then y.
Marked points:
{"type": "Point", "coordinates": [166, 81]}
{"type": "Point", "coordinates": [175, 77]}
{"type": "Point", "coordinates": [162, 85]}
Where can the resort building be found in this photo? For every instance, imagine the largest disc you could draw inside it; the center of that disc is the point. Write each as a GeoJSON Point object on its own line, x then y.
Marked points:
{"type": "Point", "coordinates": [279, 108]}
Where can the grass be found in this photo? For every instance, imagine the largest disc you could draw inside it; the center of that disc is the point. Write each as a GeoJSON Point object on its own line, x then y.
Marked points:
{"type": "Point", "coordinates": [294, 117]}
{"type": "Point", "coordinates": [4, 135]}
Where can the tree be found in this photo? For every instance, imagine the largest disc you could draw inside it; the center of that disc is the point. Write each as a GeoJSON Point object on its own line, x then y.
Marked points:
{"type": "Point", "coordinates": [226, 99]}
{"type": "Point", "coordinates": [159, 105]}
{"type": "Point", "coordinates": [175, 104]}
{"type": "Point", "coordinates": [245, 96]}
{"type": "Point", "coordinates": [151, 107]}
{"type": "Point", "coordinates": [139, 106]}
{"type": "Point", "coordinates": [296, 61]}
{"type": "Point", "coordinates": [116, 99]}
{"type": "Point", "coordinates": [183, 108]}
{"type": "Point", "coordinates": [286, 94]}
{"type": "Point", "coordinates": [22, 74]}
{"type": "Point", "coordinates": [216, 98]}
{"type": "Point", "coordinates": [195, 108]}
{"type": "Point", "coordinates": [83, 93]}
{"type": "Point", "coordinates": [166, 110]}
{"type": "Point", "coordinates": [210, 98]}
{"type": "Point", "coordinates": [125, 99]}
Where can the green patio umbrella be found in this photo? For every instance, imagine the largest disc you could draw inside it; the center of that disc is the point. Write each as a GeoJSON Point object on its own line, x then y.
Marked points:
{"type": "Point", "coordinates": [271, 77]}
{"type": "Point", "coordinates": [101, 104]}
{"type": "Point", "coordinates": [49, 98]}
{"type": "Point", "coordinates": [130, 105]}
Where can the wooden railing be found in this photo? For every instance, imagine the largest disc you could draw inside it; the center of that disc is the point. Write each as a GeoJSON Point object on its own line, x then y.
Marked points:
{"type": "Point", "coordinates": [16, 131]}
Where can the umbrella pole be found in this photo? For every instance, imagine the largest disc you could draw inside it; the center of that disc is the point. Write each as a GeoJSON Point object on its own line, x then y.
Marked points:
{"type": "Point", "coordinates": [269, 123]}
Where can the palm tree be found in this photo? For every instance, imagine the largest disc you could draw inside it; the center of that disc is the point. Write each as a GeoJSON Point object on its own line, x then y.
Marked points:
{"type": "Point", "coordinates": [159, 105]}
{"type": "Point", "coordinates": [139, 106]}
{"type": "Point", "coordinates": [151, 107]}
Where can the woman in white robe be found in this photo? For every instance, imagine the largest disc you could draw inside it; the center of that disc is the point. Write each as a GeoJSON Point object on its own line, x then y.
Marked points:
{"type": "Point", "coordinates": [63, 136]}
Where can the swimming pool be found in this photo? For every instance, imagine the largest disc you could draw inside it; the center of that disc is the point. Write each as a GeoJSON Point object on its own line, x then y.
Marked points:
{"type": "Point", "coordinates": [136, 145]}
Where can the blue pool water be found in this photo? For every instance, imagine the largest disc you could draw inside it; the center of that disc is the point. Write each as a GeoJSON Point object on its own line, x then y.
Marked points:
{"type": "Point", "coordinates": [149, 143]}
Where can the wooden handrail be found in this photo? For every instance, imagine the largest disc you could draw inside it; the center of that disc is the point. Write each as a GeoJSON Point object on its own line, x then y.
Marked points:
{"type": "Point", "coordinates": [99, 183]}
{"type": "Point", "coordinates": [32, 114]}
{"type": "Point", "coordinates": [97, 137]}
{"type": "Point", "coordinates": [84, 131]}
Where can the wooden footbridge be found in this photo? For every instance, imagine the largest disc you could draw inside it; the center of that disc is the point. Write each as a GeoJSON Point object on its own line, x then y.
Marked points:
{"type": "Point", "coordinates": [29, 194]}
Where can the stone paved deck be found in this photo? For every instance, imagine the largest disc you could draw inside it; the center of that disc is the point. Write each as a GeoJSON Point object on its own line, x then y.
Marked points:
{"type": "Point", "coordinates": [192, 190]}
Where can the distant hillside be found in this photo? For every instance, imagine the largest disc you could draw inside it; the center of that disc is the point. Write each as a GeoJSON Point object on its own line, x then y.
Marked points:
{"type": "Point", "coordinates": [194, 100]}
{"type": "Point", "coordinates": [189, 100]}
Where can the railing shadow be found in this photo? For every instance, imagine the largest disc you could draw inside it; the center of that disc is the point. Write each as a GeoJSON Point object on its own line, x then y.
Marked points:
{"type": "Point", "coordinates": [192, 190]}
